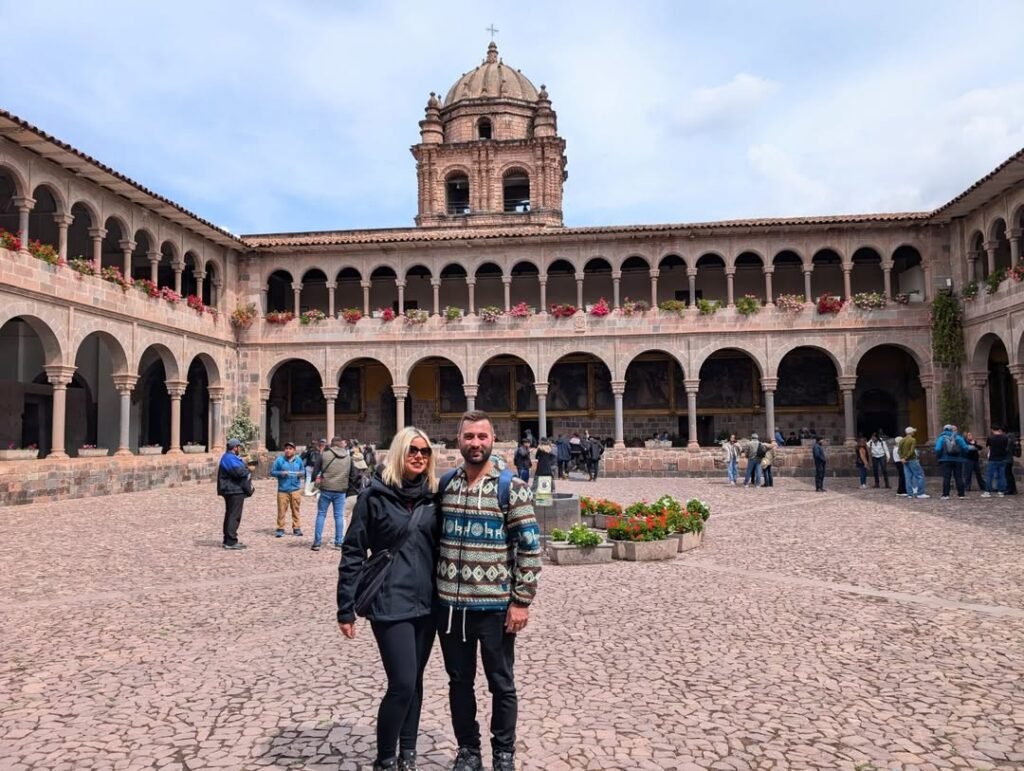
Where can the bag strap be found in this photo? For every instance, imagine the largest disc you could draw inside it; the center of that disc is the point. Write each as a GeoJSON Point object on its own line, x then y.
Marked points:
{"type": "Point", "coordinates": [334, 457]}
{"type": "Point", "coordinates": [504, 486]}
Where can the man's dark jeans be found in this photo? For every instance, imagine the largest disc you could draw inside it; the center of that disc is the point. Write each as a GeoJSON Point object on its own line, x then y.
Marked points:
{"type": "Point", "coordinates": [951, 470]}
{"type": "Point", "coordinates": [819, 475]}
{"type": "Point", "coordinates": [497, 649]}
{"type": "Point", "coordinates": [232, 518]}
{"type": "Point", "coordinates": [878, 464]}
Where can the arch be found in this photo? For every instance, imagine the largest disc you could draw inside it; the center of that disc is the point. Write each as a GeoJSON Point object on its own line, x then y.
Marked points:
{"type": "Point", "coordinates": [807, 396]}
{"type": "Point", "coordinates": [505, 388]}
{"type": "Point", "coordinates": [348, 273]}
{"type": "Point", "coordinates": [484, 128]}
{"type": "Point", "coordinates": [866, 274]}
{"type": "Point", "coordinates": [454, 262]}
{"type": "Point", "coordinates": [457, 191]}
{"type": "Point", "coordinates": [711, 282]}
{"type": "Point", "coordinates": [673, 280]}
{"type": "Point", "coordinates": [41, 320]}
{"type": "Point", "coordinates": [169, 250]}
{"type": "Point", "coordinates": [908, 272]}
{"type": "Point", "coordinates": [983, 349]}
{"type": "Point", "coordinates": [453, 292]}
{"type": "Point", "coordinates": [637, 262]}
{"type": "Point", "coordinates": [116, 351]}
{"type": "Point", "coordinates": [285, 358]}
{"type": "Point", "coordinates": [624, 364]}
{"type": "Point", "coordinates": [889, 373]}
{"type": "Point", "coordinates": [515, 189]}
{"type": "Point", "coordinates": [750, 256]}
{"type": "Point", "coordinates": [418, 269]}
{"type": "Point", "coordinates": [210, 365]}
{"type": "Point", "coordinates": [280, 296]}
{"type": "Point", "coordinates": [120, 223]}
{"type": "Point", "coordinates": [349, 291]}
{"type": "Point", "coordinates": [89, 209]}
{"type": "Point", "coordinates": [729, 395]}
{"type": "Point", "coordinates": [489, 269]}
{"type": "Point", "coordinates": [313, 275]}
{"type": "Point", "coordinates": [749, 275]}
{"type": "Point", "coordinates": [997, 229]}
{"type": "Point", "coordinates": [405, 370]}
{"type": "Point", "coordinates": [577, 348]}
{"type": "Point", "coordinates": [865, 348]}
{"type": "Point", "coordinates": [296, 409]}
{"type": "Point", "coordinates": [516, 356]}
{"type": "Point", "coordinates": [367, 359]}
{"type": "Point", "coordinates": [827, 264]}
{"type": "Point", "coordinates": [1017, 218]}
{"type": "Point", "coordinates": [42, 225]}
{"type": "Point", "coordinates": [314, 295]}
{"type": "Point", "coordinates": [166, 356]}
{"type": "Point", "coordinates": [517, 269]}
{"type": "Point", "coordinates": [702, 357]}
{"type": "Point", "coordinates": [19, 180]}
{"type": "Point", "coordinates": [777, 356]}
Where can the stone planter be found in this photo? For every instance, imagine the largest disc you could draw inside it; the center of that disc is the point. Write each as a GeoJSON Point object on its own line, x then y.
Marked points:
{"type": "Point", "coordinates": [563, 513]}
{"type": "Point", "coordinates": [688, 541]}
{"type": "Point", "coordinates": [194, 449]}
{"type": "Point", "coordinates": [566, 554]}
{"type": "Point", "coordinates": [19, 454]}
{"type": "Point", "coordinates": [645, 551]}
{"type": "Point", "coordinates": [93, 452]}
{"type": "Point", "coordinates": [151, 450]}
{"type": "Point", "coordinates": [592, 520]}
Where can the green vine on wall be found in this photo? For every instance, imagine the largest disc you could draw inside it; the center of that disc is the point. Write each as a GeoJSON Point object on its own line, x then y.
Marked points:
{"type": "Point", "coordinates": [947, 331]}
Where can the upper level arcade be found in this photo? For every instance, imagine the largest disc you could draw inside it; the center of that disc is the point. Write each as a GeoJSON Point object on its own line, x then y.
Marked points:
{"type": "Point", "coordinates": [490, 154]}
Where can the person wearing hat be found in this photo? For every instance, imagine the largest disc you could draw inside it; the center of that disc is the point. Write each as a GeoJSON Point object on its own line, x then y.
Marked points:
{"type": "Point", "coordinates": [907, 450]}
{"type": "Point", "coordinates": [311, 457]}
{"type": "Point", "coordinates": [288, 471]}
{"type": "Point", "coordinates": [233, 479]}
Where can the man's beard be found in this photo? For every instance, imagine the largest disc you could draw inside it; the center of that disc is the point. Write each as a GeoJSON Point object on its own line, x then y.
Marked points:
{"type": "Point", "coordinates": [485, 453]}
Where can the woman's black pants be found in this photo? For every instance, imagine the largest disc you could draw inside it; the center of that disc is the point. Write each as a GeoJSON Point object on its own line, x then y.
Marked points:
{"type": "Point", "coordinates": [404, 649]}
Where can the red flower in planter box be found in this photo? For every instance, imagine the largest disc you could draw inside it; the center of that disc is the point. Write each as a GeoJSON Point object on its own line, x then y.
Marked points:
{"type": "Point", "coordinates": [829, 303]}
{"type": "Point", "coordinates": [9, 241]}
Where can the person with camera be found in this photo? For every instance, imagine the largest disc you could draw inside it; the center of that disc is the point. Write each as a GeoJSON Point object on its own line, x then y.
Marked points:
{"type": "Point", "coordinates": [396, 513]}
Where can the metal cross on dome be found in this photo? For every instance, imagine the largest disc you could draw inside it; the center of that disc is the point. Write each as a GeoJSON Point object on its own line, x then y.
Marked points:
{"type": "Point", "coordinates": [493, 30]}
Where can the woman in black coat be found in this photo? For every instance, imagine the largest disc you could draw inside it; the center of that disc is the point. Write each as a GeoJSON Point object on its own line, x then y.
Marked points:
{"type": "Point", "coordinates": [400, 616]}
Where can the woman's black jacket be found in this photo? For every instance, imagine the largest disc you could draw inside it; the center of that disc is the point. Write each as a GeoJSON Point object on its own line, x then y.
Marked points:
{"type": "Point", "coordinates": [378, 519]}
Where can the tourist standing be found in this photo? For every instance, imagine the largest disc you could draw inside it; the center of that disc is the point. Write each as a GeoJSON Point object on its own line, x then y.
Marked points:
{"type": "Point", "coordinates": [288, 471]}
{"type": "Point", "coordinates": [911, 464]}
{"type": "Point", "coordinates": [732, 455]}
{"type": "Point", "coordinates": [779, 438]}
{"type": "Point", "coordinates": [234, 485]}
{"type": "Point", "coordinates": [971, 466]}
{"type": "Point", "coordinates": [901, 478]}
{"type": "Point", "coordinates": [311, 457]}
{"type": "Point", "coordinates": [562, 455]}
{"type": "Point", "coordinates": [337, 477]}
{"type": "Point", "coordinates": [485, 607]}
{"type": "Point", "coordinates": [522, 460]}
{"type": "Point", "coordinates": [593, 449]}
{"type": "Point", "coordinates": [879, 451]}
{"type": "Point", "coordinates": [1012, 451]}
{"type": "Point", "coordinates": [863, 458]}
{"type": "Point", "coordinates": [950, 451]}
{"type": "Point", "coordinates": [998, 451]}
{"type": "Point", "coordinates": [397, 508]}
{"type": "Point", "coordinates": [545, 463]}
{"type": "Point", "coordinates": [820, 460]}
{"type": "Point", "coordinates": [754, 456]}
{"type": "Point", "coordinates": [766, 465]}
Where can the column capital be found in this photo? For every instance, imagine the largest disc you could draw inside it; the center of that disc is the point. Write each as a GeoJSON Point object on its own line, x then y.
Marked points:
{"type": "Point", "coordinates": [769, 383]}
{"type": "Point", "coordinates": [730, 272]}
{"type": "Point", "coordinates": [365, 284]}
{"type": "Point", "coordinates": [400, 391]}
{"type": "Point", "coordinates": [470, 390]}
{"type": "Point", "coordinates": [1015, 232]}
{"type": "Point", "coordinates": [991, 246]}
{"type": "Point", "coordinates": [23, 202]}
{"type": "Point", "coordinates": [506, 280]}
{"type": "Point", "coordinates": [178, 266]}
{"type": "Point", "coordinates": [154, 256]}
{"type": "Point", "coordinates": [264, 394]}
{"type": "Point", "coordinates": [216, 393]}
{"type": "Point", "coordinates": [692, 384]}
{"type": "Point", "coordinates": [976, 379]}
{"type": "Point", "coordinates": [296, 286]}
{"type": "Point", "coordinates": [63, 220]}
{"type": "Point", "coordinates": [542, 279]}
{"type": "Point", "coordinates": [1017, 370]}
{"type": "Point", "coordinates": [97, 232]}
{"type": "Point", "coordinates": [618, 387]}
{"type": "Point", "coordinates": [654, 273]}
{"type": "Point", "coordinates": [59, 374]}
{"type": "Point", "coordinates": [399, 282]}
{"type": "Point", "coordinates": [331, 284]}
{"type": "Point", "coordinates": [808, 269]}
{"type": "Point", "coordinates": [470, 281]}
{"type": "Point", "coordinates": [616, 275]}
{"type": "Point", "coordinates": [580, 276]}
{"type": "Point", "coordinates": [847, 382]}
{"type": "Point", "coordinates": [887, 264]}
{"type": "Point", "coordinates": [927, 381]}
{"type": "Point", "coordinates": [330, 394]}
{"type": "Point", "coordinates": [542, 389]}
{"type": "Point", "coordinates": [127, 245]}
{"type": "Point", "coordinates": [175, 388]}
{"type": "Point", "coordinates": [691, 273]}
{"type": "Point", "coordinates": [436, 282]}
{"type": "Point", "coordinates": [768, 270]}
{"type": "Point", "coordinates": [125, 382]}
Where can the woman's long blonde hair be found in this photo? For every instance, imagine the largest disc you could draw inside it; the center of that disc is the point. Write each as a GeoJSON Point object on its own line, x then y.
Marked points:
{"type": "Point", "coordinates": [394, 468]}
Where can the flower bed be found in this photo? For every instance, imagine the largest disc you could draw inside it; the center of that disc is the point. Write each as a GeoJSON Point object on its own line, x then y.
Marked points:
{"type": "Point", "coordinates": [520, 311]}
{"type": "Point", "coordinates": [673, 306]}
{"type": "Point", "coordinates": [45, 252]}
{"type": "Point", "coordinates": [416, 316]}
{"type": "Point", "coordinates": [9, 241]}
{"type": "Point", "coordinates": [708, 307]}
{"type": "Point", "coordinates": [634, 307]}
{"type": "Point", "coordinates": [579, 546]}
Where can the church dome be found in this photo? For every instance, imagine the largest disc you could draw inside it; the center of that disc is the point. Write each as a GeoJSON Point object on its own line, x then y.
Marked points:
{"type": "Point", "coordinates": [492, 80]}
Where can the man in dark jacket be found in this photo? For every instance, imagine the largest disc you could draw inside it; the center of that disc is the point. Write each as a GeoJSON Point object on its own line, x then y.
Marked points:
{"type": "Point", "coordinates": [562, 455]}
{"type": "Point", "coordinates": [594, 449]}
{"type": "Point", "coordinates": [233, 478]}
{"type": "Point", "coordinates": [951, 451]}
{"type": "Point", "coordinates": [337, 477]}
{"type": "Point", "coordinates": [998, 451]}
{"type": "Point", "coordinates": [523, 461]}
{"type": "Point", "coordinates": [818, 453]}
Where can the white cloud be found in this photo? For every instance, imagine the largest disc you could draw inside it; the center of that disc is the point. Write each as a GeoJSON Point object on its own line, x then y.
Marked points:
{"type": "Point", "coordinates": [720, 107]}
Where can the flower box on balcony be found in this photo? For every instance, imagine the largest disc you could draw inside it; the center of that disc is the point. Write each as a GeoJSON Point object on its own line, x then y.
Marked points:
{"type": "Point", "coordinates": [93, 452]}
{"type": "Point", "coordinates": [158, 450]}
{"type": "Point", "coordinates": [19, 454]}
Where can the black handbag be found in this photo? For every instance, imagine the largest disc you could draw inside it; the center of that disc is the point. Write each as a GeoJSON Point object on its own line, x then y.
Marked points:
{"type": "Point", "coordinates": [375, 569]}
{"type": "Point", "coordinates": [248, 488]}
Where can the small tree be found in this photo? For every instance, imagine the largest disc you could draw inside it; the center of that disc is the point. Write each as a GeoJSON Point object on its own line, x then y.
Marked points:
{"type": "Point", "coordinates": [242, 427]}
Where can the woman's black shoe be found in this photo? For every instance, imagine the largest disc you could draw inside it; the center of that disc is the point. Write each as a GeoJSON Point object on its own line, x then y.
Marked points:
{"type": "Point", "coordinates": [468, 760]}
{"type": "Point", "coordinates": [406, 761]}
{"type": "Point", "coordinates": [385, 765]}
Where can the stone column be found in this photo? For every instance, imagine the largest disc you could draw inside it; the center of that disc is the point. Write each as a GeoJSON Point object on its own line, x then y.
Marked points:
{"type": "Point", "coordinates": [263, 299]}
{"type": "Point", "coordinates": [366, 297]}
{"type": "Point", "coordinates": [97, 235]}
{"type": "Point", "coordinates": [59, 376]}
{"type": "Point", "coordinates": [331, 396]}
{"type": "Point", "coordinates": [261, 443]}
{"type": "Point", "coordinates": [730, 278]}
{"type": "Point", "coordinates": [990, 251]}
{"type": "Point", "coordinates": [618, 389]}
{"type": "Point", "coordinates": [978, 382]}
{"type": "Point", "coordinates": [1017, 371]}
{"type": "Point", "coordinates": [616, 280]}
{"type": "Point", "coordinates": [887, 277]}
{"type": "Point", "coordinates": [542, 409]}
{"type": "Point", "coordinates": [691, 276]}
{"type": "Point", "coordinates": [154, 265]}
{"type": "Point", "coordinates": [179, 268]}
{"type": "Point", "coordinates": [297, 299]}
{"type": "Point", "coordinates": [24, 205]}
{"type": "Point", "coordinates": [215, 441]}
{"type": "Point", "coordinates": [507, 281]}
{"type": "Point", "coordinates": [125, 384]}
{"type": "Point", "coordinates": [768, 295]}
{"type": "Point", "coordinates": [331, 287]}
{"type": "Point", "coordinates": [471, 291]}
{"type": "Point", "coordinates": [579, 290]}
{"type": "Point", "coordinates": [400, 285]}
{"type": "Point", "coordinates": [972, 265]}
{"type": "Point", "coordinates": [218, 292]}
{"type": "Point", "coordinates": [692, 386]}
{"type": "Point", "coordinates": [654, 287]}
{"type": "Point", "coordinates": [847, 383]}
{"type": "Point", "coordinates": [175, 389]}
{"type": "Point", "coordinates": [127, 247]}
{"type": "Point", "coordinates": [768, 385]}
{"type": "Point", "coordinates": [847, 283]}
{"type": "Point", "coordinates": [807, 286]}
{"type": "Point", "coordinates": [63, 223]}
{"type": "Point", "coordinates": [543, 309]}
{"type": "Point", "coordinates": [931, 405]}
{"type": "Point", "coordinates": [470, 390]}
{"type": "Point", "coordinates": [400, 393]}
{"type": "Point", "coordinates": [1014, 234]}
{"type": "Point", "coordinates": [435, 285]}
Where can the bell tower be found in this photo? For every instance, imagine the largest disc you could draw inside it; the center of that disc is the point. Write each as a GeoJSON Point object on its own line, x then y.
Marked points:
{"type": "Point", "coordinates": [490, 154]}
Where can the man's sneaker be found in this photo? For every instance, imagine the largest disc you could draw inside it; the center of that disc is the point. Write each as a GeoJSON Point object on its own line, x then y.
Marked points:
{"type": "Point", "coordinates": [385, 765]}
{"type": "Point", "coordinates": [924, 495]}
{"type": "Point", "coordinates": [467, 759]}
{"type": "Point", "coordinates": [944, 498]}
{"type": "Point", "coordinates": [237, 546]}
{"type": "Point", "coordinates": [865, 487]}
{"type": "Point", "coordinates": [1001, 494]}
{"type": "Point", "coordinates": [406, 761]}
{"type": "Point", "coordinates": [279, 534]}
{"type": "Point", "coordinates": [503, 761]}
{"type": "Point", "coordinates": [901, 495]}
{"type": "Point", "coordinates": [297, 531]}
{"type": "Point", "coordinates": [986, 494]}
{"type": "Point", "coordinates": [337, 544]}
{"type": "Point", "coordinates": [315, 546]}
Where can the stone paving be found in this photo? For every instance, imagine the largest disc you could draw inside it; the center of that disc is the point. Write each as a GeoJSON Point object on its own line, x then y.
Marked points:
{"type": "Point", "coordinates": [844, 630]}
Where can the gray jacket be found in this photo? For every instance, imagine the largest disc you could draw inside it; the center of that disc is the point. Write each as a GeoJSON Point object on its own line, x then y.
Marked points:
{"type": "Point", "coordinates": [339, 475]}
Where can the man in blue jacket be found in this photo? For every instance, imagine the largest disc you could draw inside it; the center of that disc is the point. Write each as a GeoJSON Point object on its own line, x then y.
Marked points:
{"type": "Point", "coordinates": [951, 451]}
{"type": "Point", "coordinates": [233, 482]}
{"type": "Point", "coordinates": [288, 470]}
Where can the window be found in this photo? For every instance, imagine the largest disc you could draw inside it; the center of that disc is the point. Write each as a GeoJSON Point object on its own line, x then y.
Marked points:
{"type": "Point", "coordinates": [483, 128]}
{"type": "Point", "coordinates": [516, 189]}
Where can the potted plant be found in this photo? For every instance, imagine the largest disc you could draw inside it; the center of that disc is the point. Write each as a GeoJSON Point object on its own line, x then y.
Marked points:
{"type": "Point", "coordinates": [28, 452]}
{"type": "Point", "coordinates": [385, 314]}
{"type": "Point", "coordinates": [708, 307]}
{"type": "Point", "coordinates": [689, 523]}
{"type": "Point", "coordinates": [970, 290]}
{"type": "Point", "coordinates": [451, 313]}
{"type": "Point", "coordinates": [45, 252]}
{"type": "Point", "coordinates": [151, 449]}
{"type": "Point", "coordinates": [599, 309]}
{"type": "Point", "coordinates": [82, 266]}
{"type": "Point", "coordinates": [243, 316]}
{"type": "Point", "coordinates": [995, 278]}
{"type": "Point", "coordinates": [416, 316]}
{"type": "Point", "coordinates": [168, 294]}
{"type": "Point", "coordinates": [521, 311]}
{"type": "Point", "coordinates": [562, 310]}
{"type": "Point", "coordinates": [351, 315]}
{"type": "Point", "coordinates": [92, 451]}
{"type": "Point", "coordinates": [114, 276]}
{"type": "Point", "coordinates": [147, 287]}
{"type": "Point", "coordinates": [1017, 271]}
{"type": "Point", "coordinates": [195, 302]}
{"type": "Point", "coordinates": [641, 534]}
{"type": "Point", "coordinates": [279, 317]}
{"type": "Point", "coordinates": [490, 314]}
{"type": "Point", "coordinates": [673, 306]}
{"type": "Point", "coordinates": [868, 301]}
{"type": "Point", "coordinates": [901, 299]}
{"type": "Point", "coordinates": [634, 307]}
{"type": "Point", "coordinates": [193, 448]}
{"type": "Point", "coordinates": [579, 546]}
{"type": "Point", "coordinates": [790, 303]}
{"type": "Point", "coordinates": [749, 304]}
{"type": "Point", "coordinates": [829, 303]}
{"type": "Point", "coordinates": [9, 241]}
{"type": "Point", "coordinates": [312, 317]}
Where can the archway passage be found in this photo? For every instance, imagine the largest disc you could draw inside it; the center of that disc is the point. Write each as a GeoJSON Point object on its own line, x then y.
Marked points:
{"type": "Point", "coordinates": [654, 400]}
{"type": "Point", "coordinates": [349, 293]}
{"type": "Point", "coordinates": [152, 402]}
{"type": "Point", "coordinates": [580, 396]}
{"type": "Point", "coordinates": [828, 274]}
{"type": "Point", "coordinates": [456, 189]}
{"type": "Point", "coordinates": [280, 296]}
{"type": "Point", "coordinates": [807, 399]}
{"type": "Point", "coordinates": [908, 273]}
{"type": "Point", "coordinates": [1002, 390]}
{"type": "Point", "coordinates": [26, 397]}
{"type": "Point", "coordinates": [79, 240]}
{"type": "Point", "coordinates": [453, 291]}
{"type": "Point", "coordinates": [729, 399]}
{"type": "Point", "coordinates": [9, 218]}
{"type": "Point", "coordinates": [42, 225]}
{"type": "Point", "coordinates": [525, 285]}
{"type": "Point", "coordinates": [296, 408]}
{"type": "Point", "coordinates": [597, 281]}
{"type": "Point", "coordinates": [889, 396]}
{"type": "Point", "coordinates": [788, 275]}
{"type": "Point", "coordinates": [314, 295]}
{"type": "Point", "coordinates": [749, 278]}
{"type": "Point", "coordinates": [561, 283]}
{"type": "Point", "coordinates": [436, 398]}
{"type": "Point", "coordinates": [711, 283]}
{"type": "Point", "coordinates": [94, 410]}
{"type": "Point", "coordinates": [365, 407]}
{"type": "Point", "coordinates": [506, 391]}
{"type": "Point", "coordinates": [867, 274]}
{"type": "Point", "coordinates": [195, 406]}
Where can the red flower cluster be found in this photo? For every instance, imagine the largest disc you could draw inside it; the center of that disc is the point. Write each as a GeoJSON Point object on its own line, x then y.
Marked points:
{"type": "Point", "coordinates": [562, 311]}
{"type": "Point", "coordinates": [829, 303]}
{"type": "Point", "coordinates": [9, 241]}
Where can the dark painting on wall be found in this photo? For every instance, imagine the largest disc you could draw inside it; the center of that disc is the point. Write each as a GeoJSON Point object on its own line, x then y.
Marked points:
{"type": "Point", "coordinates": [603, 397]}
{"type": "Point", "coordinates": [526, 393]}
{"type": "Point", "coordinates": [727, 383]}
{"type": "Point", "coordinates": [567, 387]}
{"type": "Point", "coordinates": [494, 387]}
{"type": "Point", "coordinates": [807, 379]}
{"type": "Point", "coordinates": [648, 385]}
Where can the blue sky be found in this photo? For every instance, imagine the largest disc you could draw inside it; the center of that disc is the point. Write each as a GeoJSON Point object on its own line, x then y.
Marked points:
{"type": "Point", "coordinates": [269, 117]}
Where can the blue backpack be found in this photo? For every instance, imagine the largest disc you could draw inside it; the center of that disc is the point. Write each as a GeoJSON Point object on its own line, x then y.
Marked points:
{"type": "Point", "coordinates": [504, 486]}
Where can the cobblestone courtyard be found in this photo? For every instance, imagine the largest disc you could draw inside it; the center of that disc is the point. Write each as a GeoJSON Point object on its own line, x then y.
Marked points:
{"type": "Point", "coordinates": [851, 630]}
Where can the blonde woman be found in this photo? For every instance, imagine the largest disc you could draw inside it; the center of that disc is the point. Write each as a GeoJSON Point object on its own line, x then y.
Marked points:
{"type": "Point", "coordinates": [400, 614]}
